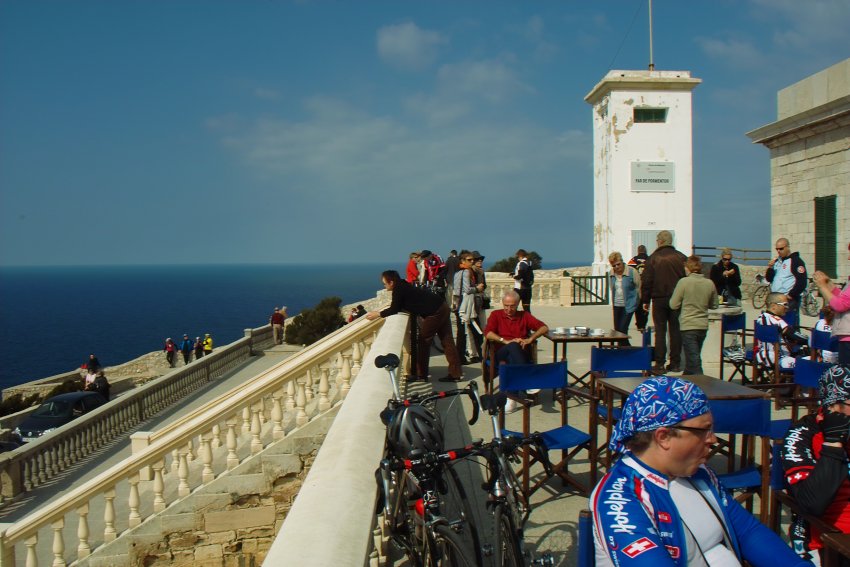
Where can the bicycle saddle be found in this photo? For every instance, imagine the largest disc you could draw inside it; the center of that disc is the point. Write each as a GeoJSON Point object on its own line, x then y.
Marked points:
{"type": "Point", "coordinates": [387, 361]}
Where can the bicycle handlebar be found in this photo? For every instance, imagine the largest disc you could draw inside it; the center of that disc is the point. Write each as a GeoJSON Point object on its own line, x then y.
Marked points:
{"type": "Point", "coordinates": [418, 399]}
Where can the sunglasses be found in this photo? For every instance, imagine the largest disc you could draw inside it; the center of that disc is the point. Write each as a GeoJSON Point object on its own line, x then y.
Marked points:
{"type": "Point", "coordinates": [782, 303]}
{"type": "Point", "coordinates": [698, 430]}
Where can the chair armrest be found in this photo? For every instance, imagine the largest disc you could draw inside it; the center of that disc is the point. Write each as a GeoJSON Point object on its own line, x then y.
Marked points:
{"type": "Point", "coordinates": [822, 525]}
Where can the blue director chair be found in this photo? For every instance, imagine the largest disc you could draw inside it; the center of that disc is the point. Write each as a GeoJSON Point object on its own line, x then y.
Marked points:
{"type": "Point", "coordinates": [515, 380]}
{"type": "Point", "coordinates": [734, 327]}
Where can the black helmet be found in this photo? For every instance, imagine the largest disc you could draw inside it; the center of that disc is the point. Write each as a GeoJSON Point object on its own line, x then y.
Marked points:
{"type": "Point", "coordinates": [413, 427]}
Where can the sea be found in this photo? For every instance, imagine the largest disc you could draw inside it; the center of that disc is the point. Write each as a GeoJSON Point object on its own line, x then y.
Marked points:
{"type": "Point", "coordinates": [52, 318]}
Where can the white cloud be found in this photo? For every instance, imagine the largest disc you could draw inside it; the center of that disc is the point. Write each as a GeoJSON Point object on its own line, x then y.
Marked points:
{"type": "Point", "coordinates": [344, 154]}
{"type": "Point", "coordinates": [731, 52]}
{"type": "Point", "coordinates": [491, 80]}
{"type": "Point", "coordinates": [407, 46]}
{"type": "Point", "coordinates": [807, 23]}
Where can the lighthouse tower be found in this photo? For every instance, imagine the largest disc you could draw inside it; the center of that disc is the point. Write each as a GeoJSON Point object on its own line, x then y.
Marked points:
{"type": "Point", "coordinates": [642, 161]}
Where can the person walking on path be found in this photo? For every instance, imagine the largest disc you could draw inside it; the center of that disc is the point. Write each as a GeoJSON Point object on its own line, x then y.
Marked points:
{"type": "Point", "coordinates": [787, 274]}
{"type": "Point", "coordinates": [277, 319]}
{"type": "Point", "coordinates": [839, 301]}
{"type": "Point", "coordinates": [199, 348]}
{"type": "Point", "coordinates": [625, 287]}
{"type": "Point", "coordinates": [434, 314]}
{"type": "Point", "coordinates": [170, 349]}
{"type": "Point", "coordinates": [186, 347]}
{"type": "Point", "coordinates": [208, 345]}
{"type": "Point", "coordinates": [726, 276]}
{"type": "Point", "coordinates": [523, 279]}
{"type": "Point", "coordinates": [664, 269]}
{"type": "Point", "coordinates": [693, 296]}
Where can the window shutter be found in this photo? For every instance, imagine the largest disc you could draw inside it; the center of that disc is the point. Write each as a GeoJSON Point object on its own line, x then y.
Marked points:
{"type": "Point", "coordinates": [826, 239]}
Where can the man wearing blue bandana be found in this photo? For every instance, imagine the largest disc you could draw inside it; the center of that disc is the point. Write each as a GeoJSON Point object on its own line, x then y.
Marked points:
{"type": "Point", "coordinates": [659, 505]}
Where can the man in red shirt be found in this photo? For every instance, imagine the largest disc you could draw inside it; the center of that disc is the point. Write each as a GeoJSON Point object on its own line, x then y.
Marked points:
{"type": "Point", "coordinates": [510, 328]}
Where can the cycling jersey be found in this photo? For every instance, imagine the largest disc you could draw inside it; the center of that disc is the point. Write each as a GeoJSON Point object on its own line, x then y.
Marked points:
{"type": "Point", "coordinates": [636, 523]}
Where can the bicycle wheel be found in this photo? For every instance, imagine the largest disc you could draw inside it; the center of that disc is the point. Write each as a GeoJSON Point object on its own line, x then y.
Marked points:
{"type": "Point", "coordinates": [446, 549]}
{"type": "Point", "coordinates": [760, 296]}
{"type": "Point", "coordinates": [810, 304]}
{"type": "Point", "coordinates": [456, 506]}
{"type": "Point", "coordinates": [506, 544]}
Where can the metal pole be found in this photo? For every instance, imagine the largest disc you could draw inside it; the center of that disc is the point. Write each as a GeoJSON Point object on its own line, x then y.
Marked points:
{"type": "Point", "coordinates": [651, 60]}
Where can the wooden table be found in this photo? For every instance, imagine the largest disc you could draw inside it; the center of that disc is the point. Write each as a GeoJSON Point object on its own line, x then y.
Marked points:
{"type": "Point", "coordinates": [610, 337]}
{"type": "Point", "coordinates": [836, 545]}
{"type": "Point", "coordinates": [714, 389]}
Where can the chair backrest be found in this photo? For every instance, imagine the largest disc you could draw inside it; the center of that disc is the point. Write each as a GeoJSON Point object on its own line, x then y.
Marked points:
{"type": "Point", "coordinates": [766, 333]}
{"type": "Point", "coordinates": [647, 336]}
{"type": "Point", "coordinates": [608, 360]}
{"type": "Point", "coordinates": [807, 372]}
{"type": "Point", "coordinates": [823, 340]}
{"type": "Point", "coordinates": [730, 323]}
{"type": "Point", "coordinates": [741, 417]}
{"type": "Point", "coordinates": [792, 318]}
{"type": "Point", "coordinates": [586, 549]}
{"type": "Point", "coordinates": [515, 377]}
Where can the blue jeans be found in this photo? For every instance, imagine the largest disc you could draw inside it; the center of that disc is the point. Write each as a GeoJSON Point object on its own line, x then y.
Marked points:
{"type": "Point", "coordinates": [512, 353]}
{"type": "Point", "coordinates": [692, 345]}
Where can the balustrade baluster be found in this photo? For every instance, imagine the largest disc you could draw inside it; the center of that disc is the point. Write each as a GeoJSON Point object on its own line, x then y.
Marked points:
{"type": "Point", "coordinates": [27, 474]}
{"type": "Point", "coordinates": [83, 547]}
{"type": "Point", "coordinates": [289, 400]}
{"type": "Point", "coordinates": [158, 486]}
{"type": "Point", "coordinates": [256, 428]}
{"type": "Point", "coordinates": [175, 461]}
{"type": "Point", "coordinates": [324, 389]}
{"type": "Point", "coordinates": [300, 402]}
{"type": "Point", "coordinates": [232, 457]}
{"type": "Point", "coordinates": [216, 432]}
{"type": "Point", "coordinates": [246, 419]}
{"type": "Point", "coordinates": [41, 476]}
{"type": "Point", "coordinates": [109, 532]}
{"type": "Point", "coordinates": [345, 375]}
{"type": "Point", "coordinates": [277, 416]}
{"type": "Point", "coordinates": [208, 475]}
{"type": "Point", "coordinates": [183, 488]}
{"type": "Point", "coordinates": [32, 558]}
{"type": "Point", "coordinates": [367, 346]}
{"type": "Point", "coordinates": [308, 385]}
{"type": "Point", "coordinates": [190, 450]}
{"type": "Point", "coordinates": [58, 543]}
{"type": "Point", "coordinates": [355, 358]}
{"type": "Point", "coordinates": [134, 519]}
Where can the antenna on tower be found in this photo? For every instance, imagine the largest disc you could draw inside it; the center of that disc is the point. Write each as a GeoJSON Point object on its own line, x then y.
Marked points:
{"type": "Point", "coordinates": [651, 61]}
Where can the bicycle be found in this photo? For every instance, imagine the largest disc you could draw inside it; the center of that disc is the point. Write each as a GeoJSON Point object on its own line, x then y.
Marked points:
{"type": "Point", "coordinates": [809, 302]}
{"type": "Point", "coordinates": [405, 496]}
{"type": "Point", "coordinates": [760, 292]}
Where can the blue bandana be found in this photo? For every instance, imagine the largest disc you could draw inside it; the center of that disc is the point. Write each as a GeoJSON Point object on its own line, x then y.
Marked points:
{"type": "Point", "coordinates": [660, 401]}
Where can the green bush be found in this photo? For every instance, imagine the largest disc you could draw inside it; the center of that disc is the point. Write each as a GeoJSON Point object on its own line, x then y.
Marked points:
{"type": "Point", "coordinates": [312, 324]}
{"type": "Point", "coordinates": [17, 402]}
{"type": "Point", "coordinates": [508, 264]}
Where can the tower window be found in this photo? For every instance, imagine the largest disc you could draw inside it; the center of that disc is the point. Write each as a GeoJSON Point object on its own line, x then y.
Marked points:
{"type": "Point", "coordinates": [650, 115]}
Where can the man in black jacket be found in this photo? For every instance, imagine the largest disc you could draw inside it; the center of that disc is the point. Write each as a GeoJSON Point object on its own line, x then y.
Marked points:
{"type": "Point", "coordinates": [434, 314]}
{"type": "Point", "coordinates": [664, 269]}
{"type": "Point", "coordinates": [726, 276]}
{"type": "Point", "coordinates": [787, 274]}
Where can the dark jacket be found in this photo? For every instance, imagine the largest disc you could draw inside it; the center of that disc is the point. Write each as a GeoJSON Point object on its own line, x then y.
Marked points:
{"type": "Point", "coordinates": [413, 300]}
{"type": "Point", "coordinates": [798, 268]}
{"type": "Point", "coordinates": [721, 282]}
{"type": "Point", "coordinates": [664, 269]}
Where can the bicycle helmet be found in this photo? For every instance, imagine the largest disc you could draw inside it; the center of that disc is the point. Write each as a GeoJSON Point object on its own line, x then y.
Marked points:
{"type": "Point", "coordinates": [413, 427]}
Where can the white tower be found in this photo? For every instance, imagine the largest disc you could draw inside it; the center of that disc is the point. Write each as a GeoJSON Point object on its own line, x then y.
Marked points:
{"type": "Point", "coordinates": [642, 162]}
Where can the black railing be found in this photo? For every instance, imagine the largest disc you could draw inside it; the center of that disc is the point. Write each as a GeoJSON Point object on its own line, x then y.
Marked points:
{"type": "Point", "coordinates": [590, 290]}
{"type": "Point", "coordinates": [739, 255]}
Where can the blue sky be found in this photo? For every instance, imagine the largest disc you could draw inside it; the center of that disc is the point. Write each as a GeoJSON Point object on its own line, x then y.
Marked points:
{"type": "Point", "coordinates": [316, 131]}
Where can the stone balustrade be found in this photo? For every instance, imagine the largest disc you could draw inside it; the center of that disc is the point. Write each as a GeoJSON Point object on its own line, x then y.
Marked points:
{"type": "Point", "coordinates": [190, 453]}
{"type": "Point", "coordinates": [545, 291]}
{"type": "Point", "coordinates": [38, 462]}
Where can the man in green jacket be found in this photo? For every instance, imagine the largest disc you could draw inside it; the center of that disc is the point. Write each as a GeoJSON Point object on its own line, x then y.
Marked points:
{"type": "Point", "coordinates": [694, 295]}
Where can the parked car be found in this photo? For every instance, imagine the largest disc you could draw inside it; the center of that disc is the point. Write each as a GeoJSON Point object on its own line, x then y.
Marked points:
{"type": "Point", "coordinates": [56, 412]}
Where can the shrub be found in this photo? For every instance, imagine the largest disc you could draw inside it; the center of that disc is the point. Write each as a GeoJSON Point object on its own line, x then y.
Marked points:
{"type": "Point", "coordinates": [508, 264]}
{"type": "Point", "coordinates": [312, 324]}
{"type": "Point", "coordinates": [17, 402]}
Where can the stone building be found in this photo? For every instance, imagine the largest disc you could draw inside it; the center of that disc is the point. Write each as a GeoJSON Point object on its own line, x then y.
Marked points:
{"type": "Point", "coordinates": [642, 161]}
{"type": "Point", "coordinates": [810, 168]}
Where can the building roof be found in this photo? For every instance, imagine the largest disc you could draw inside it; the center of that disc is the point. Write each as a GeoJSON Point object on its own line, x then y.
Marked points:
{"type": "Point", "coordinates": [620, 80]}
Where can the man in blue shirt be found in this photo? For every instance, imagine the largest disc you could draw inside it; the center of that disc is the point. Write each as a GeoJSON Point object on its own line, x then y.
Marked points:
{"type": "Point", "coordinates": [787, 274]}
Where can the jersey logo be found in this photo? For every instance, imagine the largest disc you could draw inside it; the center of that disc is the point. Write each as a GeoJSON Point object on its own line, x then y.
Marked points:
{"type": "Point", "coordinates": [673, 551]}
{"type": "Point", "coordinates": [801, 270]}
{"type": "Point", "coordinates": [664, 517]}
{"type": "Point", "coordinates": [637, 547]}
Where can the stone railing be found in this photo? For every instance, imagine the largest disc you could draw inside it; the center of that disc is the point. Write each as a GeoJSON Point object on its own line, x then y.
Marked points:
{"type": "Point", "coordinates": [38, 462]}
{"type": "Point", "coordinates": [545, 291]}
{"type": "Point", "coordinates": [341, 483]}
{"type": "Point", "coordinates": [193, 452]}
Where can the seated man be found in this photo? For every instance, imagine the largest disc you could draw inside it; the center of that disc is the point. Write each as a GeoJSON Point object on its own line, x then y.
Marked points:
{"type": "Point", "coordinates": [815, 457]}
{"type": "Point", "coordinates": [777, 307]}
{"type": "Point", "coordinates": [510, 329]}
{"type": "Point", "coordinates": [659, 505]}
